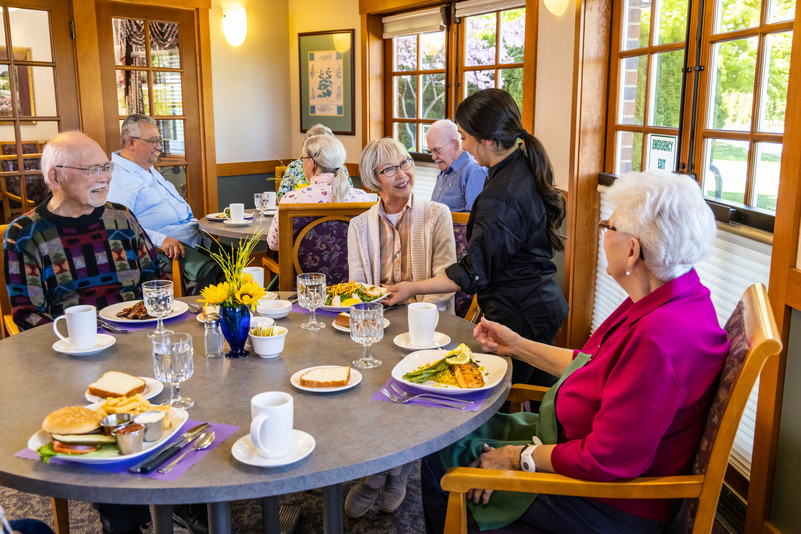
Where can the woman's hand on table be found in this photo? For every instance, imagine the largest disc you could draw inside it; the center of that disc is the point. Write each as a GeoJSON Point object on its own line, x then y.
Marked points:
{"type": "Point", "coordinates": [400, 293]}
{"type": "Point", "coordinates": [506, 458]}
{"type": "Point", "coordinates": [495, 337]}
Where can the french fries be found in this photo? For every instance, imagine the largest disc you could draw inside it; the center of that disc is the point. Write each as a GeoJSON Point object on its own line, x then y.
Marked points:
{"type": "Point", "coordinates": [135, 405]}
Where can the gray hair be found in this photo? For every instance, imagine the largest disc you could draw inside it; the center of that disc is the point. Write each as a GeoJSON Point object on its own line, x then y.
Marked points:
{"type": "Point", "coordinates": [445, 127]}
{"type": "Point", "coordinates": [132, 126]}
{"type": "Point", "coordinates": [318, 129]}
{"type": "Point", "coordinates": [58, 151]}
{"type": "Point", "coordinates": [377, 153]}
{"type": "Point", "coordinates": [669, 216]}
{"type": "Point", "coordinates": [328, 153]}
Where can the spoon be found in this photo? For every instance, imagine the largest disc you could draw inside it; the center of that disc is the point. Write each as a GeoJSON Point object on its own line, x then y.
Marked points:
{"type": "Point", "coordinates": [202, 442]}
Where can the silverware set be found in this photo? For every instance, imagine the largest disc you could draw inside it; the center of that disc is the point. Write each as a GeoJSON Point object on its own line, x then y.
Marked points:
{"type": "Point", "coordinates": [110, 327]}
{"type": "Point", "coordinates": [406, 397]}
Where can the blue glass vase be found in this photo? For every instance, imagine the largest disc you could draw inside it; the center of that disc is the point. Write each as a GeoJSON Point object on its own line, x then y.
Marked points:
{"type": "Point", "coordinates": [235, 324]}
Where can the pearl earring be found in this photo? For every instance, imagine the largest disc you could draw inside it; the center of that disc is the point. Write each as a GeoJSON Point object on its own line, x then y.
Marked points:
{"type": "Point", "coordinates": [628, 272]}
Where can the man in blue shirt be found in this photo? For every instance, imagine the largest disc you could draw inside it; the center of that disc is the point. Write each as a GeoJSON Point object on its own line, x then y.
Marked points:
{"type": "Point", "coordinates": [160, 209]}
{"type": "Point", "coordinates": [461, 178]}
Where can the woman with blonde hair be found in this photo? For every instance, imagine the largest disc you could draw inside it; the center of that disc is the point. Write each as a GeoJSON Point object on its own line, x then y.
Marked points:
{"type": "Point", "coordinates": [324, 163]}
{"type": "Point", "coordinates": [294, 177]}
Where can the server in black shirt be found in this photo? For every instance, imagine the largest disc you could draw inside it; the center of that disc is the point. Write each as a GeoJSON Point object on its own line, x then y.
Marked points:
{"type": "Point", "coordinates": [513, 230]}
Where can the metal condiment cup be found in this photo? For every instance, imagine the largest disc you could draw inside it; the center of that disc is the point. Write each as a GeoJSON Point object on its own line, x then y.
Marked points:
{"type": "Point", "coordinates": [129, 442]}
{"type": "Point", "coordinates": [110, 422]}
{"type": "Point", "coordinates": [154, 429]}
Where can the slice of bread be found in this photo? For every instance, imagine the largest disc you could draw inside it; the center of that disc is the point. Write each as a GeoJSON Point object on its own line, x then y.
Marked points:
{"type": "Point", "coordinates": [326, 377]}
{"type": "Point", "coordinates": [116, 384]}
{"type": "Point", "coordinates": [343, 319]}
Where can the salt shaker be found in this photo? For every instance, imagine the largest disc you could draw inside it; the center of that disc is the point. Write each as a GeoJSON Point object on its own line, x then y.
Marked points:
{"type": "Point", "coordinates": [213, 336]}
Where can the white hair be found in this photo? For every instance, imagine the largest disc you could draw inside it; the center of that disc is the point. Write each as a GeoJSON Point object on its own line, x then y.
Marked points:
{"type": "Point", "coordinates": [328, 153]}
{"type": "Point", "coordinates": [58, 151]}
{"type": "Point", "coordinates": [318, 129]}
{"type": "Point", "coordinates": [446, 128]}
{"type": "Point", "coordinates": [377, 153]}
{"type": "Point", "coordinates": [667, 213]}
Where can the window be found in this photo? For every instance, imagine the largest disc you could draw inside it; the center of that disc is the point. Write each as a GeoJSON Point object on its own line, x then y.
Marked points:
{"type": "Point", "coordinates": [480, 49]}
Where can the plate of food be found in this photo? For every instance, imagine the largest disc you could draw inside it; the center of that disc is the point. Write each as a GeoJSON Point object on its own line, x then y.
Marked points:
{"type": "Point", "coordinates": [135, 312]}
{"type": "Point", "coordinates": [223, 216]}
{"type": "Point", "coordinates": [454, 372]}
{"type": "Point", "coordinates": [342, 322]}
{"type": "Point", "coordinates": [117, 384]}
{"type": "Point", "coordinates": [340, 297]}
{"type": "Point", "coordinates": [326, 378]}
{"type": "Point", "coordinates": [73, 433]}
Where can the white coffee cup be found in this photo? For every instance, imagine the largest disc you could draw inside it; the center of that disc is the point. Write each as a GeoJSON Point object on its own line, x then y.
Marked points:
{"type": "Point", "coordinates": [81, 326]}
{"type": "Point", "coordinates": [257, 273]}
{"type": "Point", "coordinates": [237, 212]}
{"type": "Point", "coordinates": [423, 319]}
{"type": "Point", "coordinates": [372, 197]}
{"type": "Point", "coordinates": [271, 428]}
{"type": "Point", "coordinates": [270, 196]}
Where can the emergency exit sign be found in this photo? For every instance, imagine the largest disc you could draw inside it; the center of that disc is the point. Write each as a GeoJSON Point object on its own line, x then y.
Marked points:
{"type": "Point", "coordinates": [661, 152]}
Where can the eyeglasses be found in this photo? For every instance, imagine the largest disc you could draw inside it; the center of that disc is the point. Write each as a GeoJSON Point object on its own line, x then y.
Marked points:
{"type": "Point", "coordinates": [604, 224]}
{"type": "Point", "coordinates": [392, 170]}
{"type": "Point", "coordinates": [303, 158]}
{"type": "Point", "coordinates": [92, 169]}
{"type": "Point", "coordinates": [155, 141]}
{"type": "Point", "coordinates": [438, 150]}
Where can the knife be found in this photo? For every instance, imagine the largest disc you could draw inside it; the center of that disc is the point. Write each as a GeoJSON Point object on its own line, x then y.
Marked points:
{"type": "Point", "coordinates": [111, 328]}
{"type": "Point", "coordinates": [293, 298]}
{"type": "Point", "coordinates": [154, 461]}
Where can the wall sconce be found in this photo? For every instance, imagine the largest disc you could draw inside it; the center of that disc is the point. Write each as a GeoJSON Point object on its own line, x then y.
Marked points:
{"type": "Point", "coordinates": [342, 42]}
{"type": "Point", "coordinates": [557, 7]}
{"type": "Point", "coordinates": [235, 25]}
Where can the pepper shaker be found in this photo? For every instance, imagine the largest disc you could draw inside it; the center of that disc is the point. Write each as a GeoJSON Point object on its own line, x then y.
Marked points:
{"type": "Point", "coordinates": [213, 336]}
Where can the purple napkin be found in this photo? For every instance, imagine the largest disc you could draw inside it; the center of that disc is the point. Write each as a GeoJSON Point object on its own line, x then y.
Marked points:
{"type": "Point", "coordinates": [319, 311]}
{"type": "Point", "coordinates": [222, 432]}
{"type": "Point", "coordinates": [138, 326]}
{"type": "Point", "coordinates": [477, 396]}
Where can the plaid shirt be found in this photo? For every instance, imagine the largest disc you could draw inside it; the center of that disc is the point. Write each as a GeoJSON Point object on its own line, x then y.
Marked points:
{"type": "Point", "coordinates": [53, 262]}
{"type": "Point", "coordinates": [395, 243]}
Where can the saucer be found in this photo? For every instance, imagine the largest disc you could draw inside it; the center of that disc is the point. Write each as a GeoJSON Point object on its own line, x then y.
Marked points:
{"type": "Point", "coordinates": [243, 223]}
{"type": "Point", "coordinates": [404, 342]}
{"type": "Point", "coordinates": [302, 445]}
{"type": "Point", "coordinates": [102, 342]}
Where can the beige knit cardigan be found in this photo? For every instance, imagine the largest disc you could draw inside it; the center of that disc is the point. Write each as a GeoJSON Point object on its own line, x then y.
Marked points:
{"type": "Point", "coordinates": [433, 247]}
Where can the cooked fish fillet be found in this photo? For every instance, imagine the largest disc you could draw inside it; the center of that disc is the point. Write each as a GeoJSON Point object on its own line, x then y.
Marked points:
{"type": "Point", "coordinates": [468, 376]}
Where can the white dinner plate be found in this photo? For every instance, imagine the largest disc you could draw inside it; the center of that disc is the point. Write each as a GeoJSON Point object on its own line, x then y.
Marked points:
{"type": "Point", "coordinates": [102, 342]}
{"type": "Point", "coordinates": [347, 330]}
{"type": "Point", "coordinates": [342, 309]}
{"type": "Point", "coordinates": [152, 388]}
{"type": "Point", "coordinates": [404, 341]}
{"type": "Point", "coordinates": [494, 370]}
{"type": "Point", "coordinates": [242, 223]}
{"type": "Point", "coordinates": [355, 378]}
{"type": "Point", "coordinates": [177, 417]}
{"type": "Point", "coordinates": [302, 446]}
{"type": "Point", "coordinates": [219, 217]}
{"type": "Point", "coordinates": [109, 313]}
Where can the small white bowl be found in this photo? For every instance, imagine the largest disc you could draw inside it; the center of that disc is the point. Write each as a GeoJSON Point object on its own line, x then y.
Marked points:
{"type": "Point", "coordinates": [269, 346]}
{"type": "Point", "coordinates": [277, 309]}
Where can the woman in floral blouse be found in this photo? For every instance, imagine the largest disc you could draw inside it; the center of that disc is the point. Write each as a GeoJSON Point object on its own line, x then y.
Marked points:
{"type": "Point", "coordinates": [294, 177]}
{"type": "Point", "coordinates": [323, 161]}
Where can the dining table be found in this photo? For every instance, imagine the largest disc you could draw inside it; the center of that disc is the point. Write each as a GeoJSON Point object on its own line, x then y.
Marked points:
{"type": "Point", "coordinates": [222, 229]}
{"type": "Point", "coordinates": [355, 434]}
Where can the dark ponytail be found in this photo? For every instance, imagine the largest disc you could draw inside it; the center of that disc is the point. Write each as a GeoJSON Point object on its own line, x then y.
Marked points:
{"type": "Point", "coordinates": [493, 114]}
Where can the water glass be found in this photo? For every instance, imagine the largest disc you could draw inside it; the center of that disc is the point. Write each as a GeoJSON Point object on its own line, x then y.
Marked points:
{"type": "Point", "coordinates": [261, 203]}
{"type": "Point", "coordinates": [172, 362]}
{"type": "Point", "coordinates": [311, 295]}
{"type": "Point", "coordinates": [367, 327]}
{"type": "Point", "coordinates": [157, 295]}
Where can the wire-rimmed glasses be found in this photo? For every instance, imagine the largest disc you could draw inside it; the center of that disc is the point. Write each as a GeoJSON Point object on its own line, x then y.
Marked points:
{"type": "Point", "coordinates": [311, 295]}
{"type": "Point", "coordinates": [367, 327]}
{"type": "Point", "coordinates": [392, 170]}
{"type": "Point", "coordinates": [172, 362]}
{"type": "Point", "coordinates": [158, 297]}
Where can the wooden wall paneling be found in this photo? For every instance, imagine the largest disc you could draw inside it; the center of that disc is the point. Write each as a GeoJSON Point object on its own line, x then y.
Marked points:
{"type": "Point", "coordinates": [783, 290]}
{"type": "Point", "coordinates": [372, 77]}
{"type": "Point", "coordinates": [588, 129]}
{"type": "Point", "coordinates": [87, 60]}
{"type": "Point", "coordinates": [249, 167]}
{"type": "Point", "coordinates": [177, 4]}
{"type": "Point", "coordinates": [388, 6]}
{"type": "Point", "coordinates": [530, 64]}
{"type": "Point", "coordinates": [208, 147]}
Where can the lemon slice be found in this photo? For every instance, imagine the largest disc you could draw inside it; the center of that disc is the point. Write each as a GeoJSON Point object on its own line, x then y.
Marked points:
{"type": "Point", "coordinates": [350, 302]}
{"type": "Point", "coordinates": [459, 359]}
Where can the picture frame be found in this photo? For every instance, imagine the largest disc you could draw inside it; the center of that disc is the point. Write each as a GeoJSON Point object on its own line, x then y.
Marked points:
{"type": "Point", "coordinates": [327, 70]}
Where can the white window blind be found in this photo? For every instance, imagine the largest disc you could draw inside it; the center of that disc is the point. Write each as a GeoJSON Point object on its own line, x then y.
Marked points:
{"type": "Point", "coordinates": [425, 21]}
{"type": "Point", "coordinates": [477, 7]}
{"type": "Point", "coordinates": [739, 258]}
{"type": "Point", "coordinates": [425, 178]}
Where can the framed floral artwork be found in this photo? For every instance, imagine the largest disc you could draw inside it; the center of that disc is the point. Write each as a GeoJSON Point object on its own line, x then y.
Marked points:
{"type": "Point", "coordinates": [327, 79]}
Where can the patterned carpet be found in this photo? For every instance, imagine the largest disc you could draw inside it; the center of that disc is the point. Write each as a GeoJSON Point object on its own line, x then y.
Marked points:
{"type": "Point", "coordinates": [245, 515]}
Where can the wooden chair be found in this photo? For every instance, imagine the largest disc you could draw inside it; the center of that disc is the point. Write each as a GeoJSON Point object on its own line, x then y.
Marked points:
{"type": "Point", "coordinates": [465, 306]}
{"type": "Point", "coordinates": [754, 338]}
{"type": "Point", "coordinates": [299, 225]}
{"type": "Point", "coordinates": [178, 288]}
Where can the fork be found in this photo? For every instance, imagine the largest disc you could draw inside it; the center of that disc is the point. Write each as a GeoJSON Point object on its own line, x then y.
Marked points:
{"type": "Point", "coordinates": [195, 306]}
{"type": "Point", "coordinates": [408, 395]}
{"type": "Point", "coordinates": [111, 328]}
{"type": "Point", "coordinates": [401, 400]}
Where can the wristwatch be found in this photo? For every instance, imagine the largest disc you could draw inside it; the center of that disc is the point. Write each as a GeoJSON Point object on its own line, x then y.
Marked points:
{"type": "Point", "coordinates": [526, 460]}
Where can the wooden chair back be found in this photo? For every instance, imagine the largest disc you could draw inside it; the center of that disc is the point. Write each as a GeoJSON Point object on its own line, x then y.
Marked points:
{"type": "Point", "coordinates": [754, 338]}
{"type": "Point", "coordinates": [334, 248]}
{"type": "Point", "coordinates": [465, 305]}
{"type": "Point", "coordinates": [7, 326]}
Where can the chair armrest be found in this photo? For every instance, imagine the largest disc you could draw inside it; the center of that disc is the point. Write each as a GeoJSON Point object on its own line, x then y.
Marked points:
{"type": "Point", "coordinates": [524, 392]}
{"type": "Point", "coordinates": [270, 264]}
{"type": "Point", "coordinates": [11, 326]}
{"type": "Point", "coordinates": [461, 479]}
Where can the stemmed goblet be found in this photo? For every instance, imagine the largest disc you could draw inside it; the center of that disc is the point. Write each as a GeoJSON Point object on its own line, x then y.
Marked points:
{"type": "Point", "coordinates": [261, 203]}
{"type": "Point", "coordinates": [311, 295]}
{"type": "Point", "coordinates": [157, 296]}
{"type": "Point", "coordinates": [172, 362]}
{"type": "Point", "coordinates": [367, 327]}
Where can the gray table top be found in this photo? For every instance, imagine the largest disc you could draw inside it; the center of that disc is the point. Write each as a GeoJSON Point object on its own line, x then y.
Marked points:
{"type": "Point", "coordinates": [355, 435]}
{"type": "Point", "coordinates": [238, 232]}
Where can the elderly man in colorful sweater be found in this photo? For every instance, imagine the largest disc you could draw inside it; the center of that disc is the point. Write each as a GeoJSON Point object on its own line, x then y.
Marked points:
{"type": "Point", "coordinates": [75, 248]}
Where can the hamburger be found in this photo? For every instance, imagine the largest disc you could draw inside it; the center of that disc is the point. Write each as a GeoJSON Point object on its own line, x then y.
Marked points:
{"type": "Point", "coordinates": [75, 430]}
